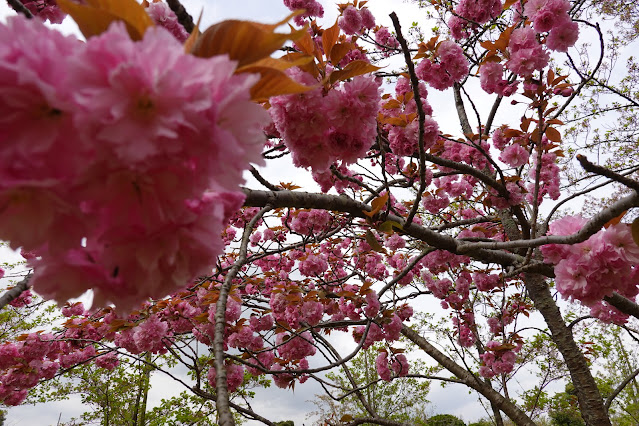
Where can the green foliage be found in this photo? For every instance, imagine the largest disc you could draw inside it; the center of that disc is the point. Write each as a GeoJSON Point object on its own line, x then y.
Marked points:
{"type": "Point", "coordinates": [445, 420]}
{"type": "Point", "coordinates": [481, 422]}
{"type": "Point", "coordinates": [285, 423]}
{"type": "Point", "coordinates": [564, 410]}
{"type": "Point", "coordinates": [402, 399]}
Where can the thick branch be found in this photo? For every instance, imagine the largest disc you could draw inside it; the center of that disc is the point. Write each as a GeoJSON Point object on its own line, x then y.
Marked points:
{"type": "Point", "coordinates": [15, 292]}
{"type": "Point", "coordinates": [590, 401]}
{"type": "Point", "coordinates": [589, 229]}
{"type": "Point", "coordinates": [469, 379]}
{"type": "Point", "coordinates": [20, 8]}
{"type": "Point", "coordinates": [625, 305]}
{"type": "Point", "coordinates": [344, 204]}
{"type": "Point", "coordinates": [183, 16]}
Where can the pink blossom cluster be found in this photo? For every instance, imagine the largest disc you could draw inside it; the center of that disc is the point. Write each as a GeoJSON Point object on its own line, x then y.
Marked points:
{"type": "Point", "coordinates": [496, 361]}
{"type": "Point", "coordinates": [473, 154]}
{"type": "Point", "coordinates": [404, 91]}
{"type": "Point", "coordinates": [162, 15]}
{"type": "Point", "coordinates": [353, 55]}
{"type": "Point", "coordinates": [486, 282]}
{"type": "Point", "coordinates": [452, 66]}
{"type": "Point", "coordinates": [439, 261]}
{"type": "Point", "coordinates": [121, 159]}
{"type": "Point", "coordinates": [326, 179]}
{"type": "Point", "coordinates": [514, 155]}
{"type": "Point", "coordinates": [312, 8]}
{"type": "Point", "coordinates": [548, 178]}
{"type": "Point", "coordinates": [399, 365]}
{"type": "Point", "coordinates": [353, 20]}
{"type": "Point", "coordinates": [492, 81]}
{"type": "Point", "coordinates": [608, 313]}
{"type": "Point", "coordinates": [374, 334]}
{"type": "Point", "coordinates": [24, 299]}
{"type": "Point", "coordinates": [404, 141]}
{"type": "Point", "coordinates": [292, 347]}
{"type": "Point", "coordinates": [469, 13]}
{"type": "Point", "coordinates": [322, 128]}
{"type": "Point", "coordinates": [293, 313]}
{"type": "Point", "coordinates": [526, 53]}
{"type": "Point", "coordinates": [309, 222]}
{"type": "Point", "coordinates": [23, 364]}
{"type": "Point", "coordinates": [108, 361]}
{"type": "Point", "coordinates": [603, 264]}
{"type": "Point", "coordinates": [313, 265]}
{"type": "Point", "coordinates": [386, 40]}
{"type": "Point", "coordinates": [552, 16]}
{"type": "Point", "coordinates": [234, 376]}
{"type": "Point", "coordinates": [47, 10]}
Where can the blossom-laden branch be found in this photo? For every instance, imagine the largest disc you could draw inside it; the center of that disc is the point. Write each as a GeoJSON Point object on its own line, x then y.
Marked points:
{"type": "Point", "coordinates": [591, 227]}
{"type": "Point", "coordinates": [222, 393]}
{"type": "Point", "coordinates": [510, 409]}
{"type": "Point", "coordinates": [15, 292]}
{"type": "Point", "coordinates": [256, 198]}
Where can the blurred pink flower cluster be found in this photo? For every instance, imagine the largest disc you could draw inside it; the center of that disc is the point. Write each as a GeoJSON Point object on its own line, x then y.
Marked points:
{"type": "Point", "coordinates": [469, 13]}
{"type": "Point", "coordinates": [353, 20]}
{"type": "Point", "coordinates": [121, 160]}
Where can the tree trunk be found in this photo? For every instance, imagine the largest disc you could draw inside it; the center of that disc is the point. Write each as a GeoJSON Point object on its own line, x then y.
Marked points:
{"type": "Point", "coordinates": [590, 402]}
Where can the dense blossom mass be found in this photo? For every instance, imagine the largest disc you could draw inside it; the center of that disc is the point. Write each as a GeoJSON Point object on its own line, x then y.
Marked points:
{"type": "Point", "coordinates": [321, 129]}
{"type": "Point", "coordinates": [603, 264]}
{"type": "Point", "coordinates": [123, 156]}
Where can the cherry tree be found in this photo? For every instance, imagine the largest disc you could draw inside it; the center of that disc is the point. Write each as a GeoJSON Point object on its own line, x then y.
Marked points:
{"type": "Point", "coordinates": [123, 165]}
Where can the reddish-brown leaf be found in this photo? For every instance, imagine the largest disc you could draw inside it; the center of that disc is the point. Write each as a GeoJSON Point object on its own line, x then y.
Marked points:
{"type": "Point", "coordinates": [95, 16]}
{"type": "Point", "coordinates": [243, 41]}
{"type": "Point", "coordinates": [353, 69]}
{"type": "Point", "coordinates": [553, 134]}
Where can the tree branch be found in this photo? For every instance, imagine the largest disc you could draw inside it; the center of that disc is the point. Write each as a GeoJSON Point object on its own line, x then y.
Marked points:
{"type": "Point", "coordinates": [619, 388]}
{"type": "Point", "coordinates": [589, 229]}
{"type": "Point", "coordinates": [20, 8]}
{"type": "Point", "coordinates": [222, 393]}
{"type": "Point", "coordinates": [12, 294]}
{"type": "Point", "coordinates": [344, 204]}
{"type": "Point", "coordinates": [469, 379]}
{"type": "Point", "coordinates": [414, 81]}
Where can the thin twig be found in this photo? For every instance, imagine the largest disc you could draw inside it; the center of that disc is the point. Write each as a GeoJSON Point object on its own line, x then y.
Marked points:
{"type": "Point", "coordinates": [183, 16]}
{"type": "Point", "coordinates": [20, 8]}
{"type": "Point", "coordinates": [420, 114]}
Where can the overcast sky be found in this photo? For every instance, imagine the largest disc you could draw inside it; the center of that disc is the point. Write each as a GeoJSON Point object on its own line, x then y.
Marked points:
{"type": "Point", "coordinates": [274, 403]}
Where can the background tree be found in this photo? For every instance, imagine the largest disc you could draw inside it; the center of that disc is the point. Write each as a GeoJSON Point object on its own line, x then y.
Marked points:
{"type": "Point", "coordinates": [445, 420]}
{"type": "Point", "coordinates": [357, 388]}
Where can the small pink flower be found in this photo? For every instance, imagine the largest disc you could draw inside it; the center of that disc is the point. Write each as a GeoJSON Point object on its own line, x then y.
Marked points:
{"type": "Point", "coordinates": [514, 155]}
